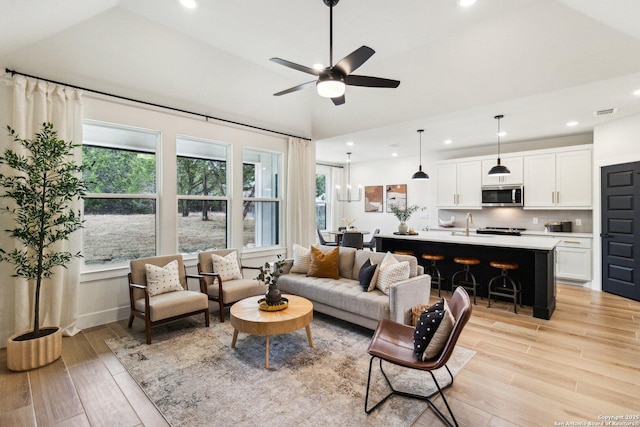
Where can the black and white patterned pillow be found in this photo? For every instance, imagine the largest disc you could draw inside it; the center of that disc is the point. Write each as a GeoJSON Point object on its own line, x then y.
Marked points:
{"type": "Point", "coordinates": [161, 280]}
{"type": "Point", "coordinates": [432, 330]}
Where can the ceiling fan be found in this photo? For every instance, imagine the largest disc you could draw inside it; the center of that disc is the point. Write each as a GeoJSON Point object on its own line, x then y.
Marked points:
{"type": "Point", "coordinates": [332, 80]}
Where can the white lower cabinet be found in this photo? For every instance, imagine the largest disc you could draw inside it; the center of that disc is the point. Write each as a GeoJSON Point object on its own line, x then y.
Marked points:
{"type": "Point", "coordinates": [573, 259]}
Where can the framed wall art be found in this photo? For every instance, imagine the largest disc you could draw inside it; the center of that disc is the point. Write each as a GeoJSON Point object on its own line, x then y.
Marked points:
{"type": "Point", "coordinates": [373, 198]}
{"type": "Point", "coordinates": [396, 196]}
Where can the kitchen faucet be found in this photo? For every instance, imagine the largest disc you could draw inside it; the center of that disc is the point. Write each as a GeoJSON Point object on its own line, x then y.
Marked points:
{"type": "Point", "coordinates": [469, 220]}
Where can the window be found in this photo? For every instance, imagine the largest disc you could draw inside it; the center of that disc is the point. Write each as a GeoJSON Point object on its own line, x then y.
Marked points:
{"type": "Point", "coordinates": [321, 201]}
{"type": "Point", "coordinates": [261, 205]}
{"type": "Point", "coordinates": [120, 206]}
{"type": "Point", "coordinates": [202, 195]}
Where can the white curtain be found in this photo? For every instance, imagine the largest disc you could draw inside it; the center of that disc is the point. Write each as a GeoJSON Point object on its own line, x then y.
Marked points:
{"type": "Point", "coordinates": [34, 103]}
{"type": "Point", "coordinates": [301, 191]}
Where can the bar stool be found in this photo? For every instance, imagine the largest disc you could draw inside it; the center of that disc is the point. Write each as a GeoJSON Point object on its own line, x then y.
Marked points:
{"type": "Point", "coordinates": [507, 287]}
{"type": "Point", "coordinates": [404, 252]}
{"type": "Point", "coordinates": [468, 281]}
{"type": "Point", "coordinates": [432, 268]}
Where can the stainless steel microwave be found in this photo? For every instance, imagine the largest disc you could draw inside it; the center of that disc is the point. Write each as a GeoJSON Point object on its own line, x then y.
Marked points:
{"type": "Point", "coordinates": [503, 196]}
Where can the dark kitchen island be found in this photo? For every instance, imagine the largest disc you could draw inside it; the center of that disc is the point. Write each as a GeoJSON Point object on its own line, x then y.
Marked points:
{"type": "Point", "coordinates": [535, 255]}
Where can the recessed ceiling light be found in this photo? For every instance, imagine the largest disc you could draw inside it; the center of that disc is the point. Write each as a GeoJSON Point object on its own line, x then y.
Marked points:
{"type": "Point", "coordinates": [572, 123]}
{"type": "Point", "coordinates": [466, 3]}
{"type": "Point", "coordinates": [394, 154]}
{"type": "Point", "coordinates": [189, 4]}
{"type": "Point", "coordinates": [350, 143]}
{"type": "Point", "coordinates": [447, 141]}
{"type": "Point", "coordinates": [503, 133]}
{"type": "Point", "coordinates": [636, 92]}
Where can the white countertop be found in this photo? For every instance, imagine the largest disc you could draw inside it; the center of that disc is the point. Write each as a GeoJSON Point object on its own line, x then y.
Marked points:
{"type": "Point", "coordinates": [540, 242]}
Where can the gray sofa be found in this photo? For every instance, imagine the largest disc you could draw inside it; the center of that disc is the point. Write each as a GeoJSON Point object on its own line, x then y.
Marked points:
{"type": "Point", "coordinates": [345, 299]}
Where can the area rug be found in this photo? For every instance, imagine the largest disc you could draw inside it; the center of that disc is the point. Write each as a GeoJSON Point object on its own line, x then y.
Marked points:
{"type": "Point", "coordinates": [195, 378]}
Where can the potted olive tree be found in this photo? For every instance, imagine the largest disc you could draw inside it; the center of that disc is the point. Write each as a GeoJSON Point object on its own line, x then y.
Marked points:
{"type": "Point", "coordinates": [42, 180]}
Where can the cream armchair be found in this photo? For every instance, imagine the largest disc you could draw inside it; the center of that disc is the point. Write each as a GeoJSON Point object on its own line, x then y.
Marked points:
{"type": "Point", "coordinates": [157, 305]}
{"type": "Point", "coordinates": [223, 290]}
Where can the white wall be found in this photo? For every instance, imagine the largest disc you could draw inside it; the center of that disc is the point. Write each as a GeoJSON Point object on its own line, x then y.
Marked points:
{"type": "Point", "coordinates": [613, 143]}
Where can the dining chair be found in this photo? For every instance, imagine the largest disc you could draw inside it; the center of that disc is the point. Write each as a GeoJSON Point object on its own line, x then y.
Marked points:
{"type": "Point", "coordinates": [324, 242]}
{"type": "Point", "coordinates": [371, 244]}
{"type": "Point", "coordinates": [352, 239]}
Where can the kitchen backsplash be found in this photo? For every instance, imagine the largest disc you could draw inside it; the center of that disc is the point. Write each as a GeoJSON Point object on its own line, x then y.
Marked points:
{"type": "Point", "coordinates": [520, 218]}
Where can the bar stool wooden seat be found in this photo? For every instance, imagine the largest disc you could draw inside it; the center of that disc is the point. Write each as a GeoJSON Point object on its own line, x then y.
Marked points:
{"type": "Point", "coordinates": [404, 252]}
{"type": "Point", "coordinates": [465, 277]}
{"type": "Point", "coordinates": [504, 285]}
{"type": "Point", "coordinates": [432, 269]}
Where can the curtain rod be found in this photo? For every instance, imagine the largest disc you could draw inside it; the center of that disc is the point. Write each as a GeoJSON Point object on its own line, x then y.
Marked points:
{"type": "Point", "coordinates": [206, 117]}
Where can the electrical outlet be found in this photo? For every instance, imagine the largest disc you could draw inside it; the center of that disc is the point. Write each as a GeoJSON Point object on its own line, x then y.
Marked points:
{"type": "Point", "coordinates": [578, 221]}
{"type": "Point", "coordinates": [535, 220]}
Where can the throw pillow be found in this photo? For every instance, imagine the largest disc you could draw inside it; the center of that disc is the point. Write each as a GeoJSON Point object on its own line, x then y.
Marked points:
{"type": "Point", "coordinates": [324, 264]}
{"type": "Point", "coordinates": [227, 266]}
{"type": "Point", "coordinates": [301, 259]}
{"type": "Point", "coordinates": [432, 331]}
{"type": "Point", "coordinates": [391, 271]}
{"type": "Point", "coordinates": [367, 274]}
{"type": "Point", "coordinates": [165, 279]}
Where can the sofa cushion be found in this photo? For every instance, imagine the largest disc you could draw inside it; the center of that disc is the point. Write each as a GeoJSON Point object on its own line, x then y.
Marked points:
{"type": "Point", "coordinates": [345, 260]}
{"type": "Point", "coordinates": [343, 294]}
{"type": "Point", "coordinates": [377, 257]}
{"type": "Point", "coordinates": [226, 266]}
{"type": "Point", "coordinates": [324, 264]}
{"type": "Point", "coordinates": [165, 279]}
{"type": "Point", "coordinates": [432, 331]}
{"type": "Point", "coordinates": [367, 276]}
{"type": "Point", "coordinates": [172, 304]}
{"type": "Point", "coordinates": [390, 274]}
{"type": "Point", "coordinates": [301, 259]}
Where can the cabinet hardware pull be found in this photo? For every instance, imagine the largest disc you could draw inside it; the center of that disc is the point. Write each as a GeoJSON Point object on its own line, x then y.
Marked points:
{"type": "Point", "coordinates": [571, 241]}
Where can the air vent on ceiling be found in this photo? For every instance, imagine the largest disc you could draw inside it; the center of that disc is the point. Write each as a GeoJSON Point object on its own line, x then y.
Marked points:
{"type": "Point", "coordinates": [605, 112]}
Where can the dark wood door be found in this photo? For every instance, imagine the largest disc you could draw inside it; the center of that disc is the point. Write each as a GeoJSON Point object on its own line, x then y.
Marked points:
{"type": "Point", "coordinates": [620, 197]}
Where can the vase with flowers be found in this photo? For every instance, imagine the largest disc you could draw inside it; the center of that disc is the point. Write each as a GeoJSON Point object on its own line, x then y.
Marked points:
{"type": "Point", "coordinates": [269, 274]}
{"type": "Point", "coordinates": [403, 215]}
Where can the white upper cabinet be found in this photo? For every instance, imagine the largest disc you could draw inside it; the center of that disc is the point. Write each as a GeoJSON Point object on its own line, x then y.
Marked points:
{"type": "Point", "coordinates": [514, 164]}
{"type": "Point", "coordinates": [459, 185]}
{"type": "Point", "coordinates": [561, 179]}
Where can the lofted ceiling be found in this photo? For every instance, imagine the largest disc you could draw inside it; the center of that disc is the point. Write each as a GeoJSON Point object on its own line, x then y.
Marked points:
{"type": "Point", "coordinates": [541, 63]}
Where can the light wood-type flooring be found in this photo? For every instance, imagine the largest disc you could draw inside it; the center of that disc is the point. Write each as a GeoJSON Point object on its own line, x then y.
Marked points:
{"type": "Point", "coordinates": [578, 367]}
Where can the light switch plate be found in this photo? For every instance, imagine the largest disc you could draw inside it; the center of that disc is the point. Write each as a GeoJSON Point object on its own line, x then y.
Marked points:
{"type": "Point", "coordinates": [535, 220]}
{"type": "Point", "coordinates": [578, 221]}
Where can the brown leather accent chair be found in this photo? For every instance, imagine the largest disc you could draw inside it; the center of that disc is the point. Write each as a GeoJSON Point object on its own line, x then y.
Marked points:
{"type": "Point", "coordinates": [393, 343]}
{"type": "Point", "coordinates": [226, 292]}
{"type": "Point", "coordinates": [166, 307]}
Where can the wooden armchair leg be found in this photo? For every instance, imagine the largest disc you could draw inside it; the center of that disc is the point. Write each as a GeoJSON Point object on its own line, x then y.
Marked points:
{"type": "Point", "coordinates": [130, 320]}
{"type": "Point", "coordinates": [148, 329]}
{"type": "Point", "coordinates": [221, 310]}
{"type": "Point", "coordinates": [206, 318]}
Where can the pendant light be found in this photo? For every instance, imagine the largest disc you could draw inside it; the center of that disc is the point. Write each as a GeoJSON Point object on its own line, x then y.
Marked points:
{"type": "Point", "coordinates": [348, 197]}
{"type": "Point", "coordinates": [499, 170]}
{"type": "Point", "coordinates": [420, 175]}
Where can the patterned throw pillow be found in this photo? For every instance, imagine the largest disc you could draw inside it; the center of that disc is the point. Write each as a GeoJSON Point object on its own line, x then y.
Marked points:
{"type": "Point", "coordinates": [391, 271]}
{"type": "Point", "coordinates": [432, 330]}
{"type": "Point", "coordinates": [227, 266]}
{"type": "Point", "coordinates": [367, 275]}
{"type": "Point", "coordinates": [324, 264]}
{"type": "Point", "coordinates": [165, 279]}
{"type": "Point", "coordinates": [301, 259]}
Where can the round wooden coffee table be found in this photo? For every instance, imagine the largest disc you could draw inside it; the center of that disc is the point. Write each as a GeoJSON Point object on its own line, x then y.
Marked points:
{"type": "Point", "coordinates": [247, 317]}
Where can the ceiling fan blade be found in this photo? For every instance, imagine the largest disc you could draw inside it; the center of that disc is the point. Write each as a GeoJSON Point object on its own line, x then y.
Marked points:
{"type": "Point", "coordinates": [355, 59]}
{"type": "Point", "coordinates": [295, 66]}
{"type": "Point", "coordinates": [367, 81]}
{"type": "Point", "coordinates": [295, 88]}
{"type": "Point", "coordinates": [339, 100]}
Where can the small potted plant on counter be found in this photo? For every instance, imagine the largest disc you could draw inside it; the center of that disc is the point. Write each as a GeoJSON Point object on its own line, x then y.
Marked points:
{"type": "Point", "coordinates": [403, 216]}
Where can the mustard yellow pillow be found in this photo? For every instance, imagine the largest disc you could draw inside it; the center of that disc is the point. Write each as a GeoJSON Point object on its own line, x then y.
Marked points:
{"type": "Point", "coordinates": [324, 264]}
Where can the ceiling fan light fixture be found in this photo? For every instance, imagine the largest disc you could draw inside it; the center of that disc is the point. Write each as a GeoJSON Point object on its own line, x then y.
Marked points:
{"type": "Point", "coordinates": [330, 88]}
{"type": "Point", "coordinates": [420, 175]}
{"type": "Point", "coordinates": [499, 169]}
